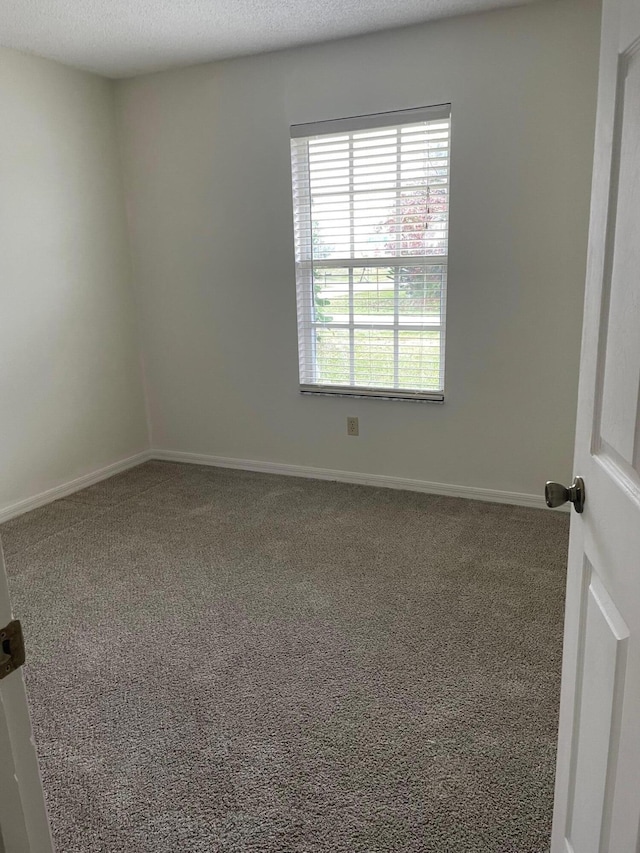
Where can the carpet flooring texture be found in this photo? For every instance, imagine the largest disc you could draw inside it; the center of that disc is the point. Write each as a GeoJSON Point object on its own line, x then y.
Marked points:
{"type": "Point", "coordinates": [232, 662]}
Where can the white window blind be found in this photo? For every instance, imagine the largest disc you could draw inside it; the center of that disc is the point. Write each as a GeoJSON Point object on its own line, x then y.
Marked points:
{"type": "Point", "coordinates": [371, 210]}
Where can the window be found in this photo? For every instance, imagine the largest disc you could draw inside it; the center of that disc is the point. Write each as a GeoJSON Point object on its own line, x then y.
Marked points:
{"type": "Point", "coordinates": [371, 205]}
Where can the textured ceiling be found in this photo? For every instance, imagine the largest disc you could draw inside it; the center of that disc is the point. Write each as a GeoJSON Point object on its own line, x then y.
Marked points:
{"type": "Point", "coordinates": [119, 38]}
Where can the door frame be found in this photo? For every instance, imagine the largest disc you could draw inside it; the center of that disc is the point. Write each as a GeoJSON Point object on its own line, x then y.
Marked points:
{"type": "Point", "coordinates": [24, 824]}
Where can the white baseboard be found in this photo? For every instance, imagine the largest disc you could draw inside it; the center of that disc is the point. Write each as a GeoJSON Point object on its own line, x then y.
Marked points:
{"type": "Point", "coordinates": [72, 486]}
{"type": "Point", "coordinates": [382, 480]}
{"type": "Point", "coordinates": [478, 494]}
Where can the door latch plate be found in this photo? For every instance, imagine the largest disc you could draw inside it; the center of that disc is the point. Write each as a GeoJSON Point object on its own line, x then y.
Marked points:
{"type": "Point", "coordinates": [12, 653]}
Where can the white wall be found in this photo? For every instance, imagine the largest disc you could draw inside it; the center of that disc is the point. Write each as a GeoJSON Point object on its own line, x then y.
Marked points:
{"type": "Point", "coordinates": [70, 382]}
{"type": "Point", "coordinates": [208, 177]}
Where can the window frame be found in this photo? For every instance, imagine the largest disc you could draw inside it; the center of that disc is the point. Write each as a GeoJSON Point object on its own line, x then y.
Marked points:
{"type": "Point", "coordinates": [305, 267]}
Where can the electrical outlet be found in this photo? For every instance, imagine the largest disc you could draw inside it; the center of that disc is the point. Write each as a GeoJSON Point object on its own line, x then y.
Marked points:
{"type": "Point", "coordinates": [352, 426]}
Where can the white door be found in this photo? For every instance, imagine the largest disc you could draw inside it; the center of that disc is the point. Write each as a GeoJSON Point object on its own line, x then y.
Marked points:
{"type": "Point", "coordinates": [24, 827]}
{"type": "Point", "coordinates": [597, 807]}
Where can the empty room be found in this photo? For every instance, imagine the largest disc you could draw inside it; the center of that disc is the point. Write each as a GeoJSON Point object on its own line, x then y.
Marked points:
{"type": "Point", "coordinates": [320, 430]}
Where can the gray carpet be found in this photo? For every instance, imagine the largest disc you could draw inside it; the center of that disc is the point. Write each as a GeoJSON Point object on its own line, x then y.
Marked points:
{"type": "Point", "coordinates": [231, 662]}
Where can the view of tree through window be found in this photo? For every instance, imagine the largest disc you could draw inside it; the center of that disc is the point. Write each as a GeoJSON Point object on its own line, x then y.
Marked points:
{"type": "Point", "coordinates": [371, 213]}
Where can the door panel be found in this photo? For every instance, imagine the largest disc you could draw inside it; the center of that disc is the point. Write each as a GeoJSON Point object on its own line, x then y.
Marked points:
{"type": "Point", "coordinates": [601, 677]}
{"type": "Point", "coordinates": [620, 424]}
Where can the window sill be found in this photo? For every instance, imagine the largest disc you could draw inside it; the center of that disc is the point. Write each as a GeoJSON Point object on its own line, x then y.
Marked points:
{"type": "Point", "coordinates": [370, 394]}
